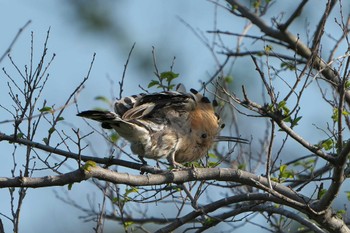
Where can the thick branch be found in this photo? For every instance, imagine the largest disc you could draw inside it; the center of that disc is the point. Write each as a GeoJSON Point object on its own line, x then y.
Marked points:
{"type": "Point", "coordinates": [46, 181]}
{"type": "Point", "coordinates": [337, 180]}
{"type": "Point", "coordinates": [181, 176]}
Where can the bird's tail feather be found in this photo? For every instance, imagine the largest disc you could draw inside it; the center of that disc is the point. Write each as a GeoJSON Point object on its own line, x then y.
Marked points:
{"type": "Point", "coordinates": [100, 116]}
{"type": "Point", "coordinates": [128, 130]}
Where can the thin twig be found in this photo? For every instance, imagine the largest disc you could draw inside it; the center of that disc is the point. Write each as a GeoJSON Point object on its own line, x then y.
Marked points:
{"type": "Point", "coordinates": [8, 50]}
{"type": "Point", "coordinates": [121, 83]}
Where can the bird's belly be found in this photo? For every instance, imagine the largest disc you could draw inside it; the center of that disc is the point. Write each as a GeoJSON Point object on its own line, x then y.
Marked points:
{"type": "Point", "coordinates": [158, 146]}
{"type": "Point", "coordinates": [183, 156]}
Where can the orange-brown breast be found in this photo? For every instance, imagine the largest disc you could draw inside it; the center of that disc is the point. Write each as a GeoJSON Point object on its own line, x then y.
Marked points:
{"type": "Point", "coordinates": [203, 121]}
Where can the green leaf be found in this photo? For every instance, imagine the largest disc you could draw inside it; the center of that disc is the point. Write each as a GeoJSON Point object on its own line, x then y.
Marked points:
{"type": "Point", "coordinates": [287, 119]}
{"type": "Point", "coordinates": [103, 99]}
{"type": "Point", "coordinates": [288, 65]}
{"type": "Point", "coordinates": [128, 224]}
{"type": "Point", "coordinates": [281, 104]}
{"type": "Point", "coordinates": [171, 87]}
{"type": "Point", "coordinates": [130, 190]}
{"type": "Point", "coordinates": [327, 144]}
{"type": "Point", "coordinates": [283, 107]}
{"type": "Point", "coordinates": [192, 164]}
{"type": "Point", "coordinates": [20, 135]}
{"type": "Point", "coordinates": [270, 108]}
{"type": "Point", "coordinates": [321, 193]}
{"type": "Point", "coordinates": [228, 79]}
{"type": "Point", "coordinates": [288, 174]}
{"type": "Point", "coordinates": [209, 221]}
{"type": "Point", "coordinates": [212, 164]}
{"type": "Point", "coordinates": [234, 7]}
{"type": "Point", "coordinates": [256, 4]}
{"type": "Point", "coordinates": [268, 48]}
{"type": "Point", "coordinates": [274, 179]}
{"type": "Point", "coordinates": [46, 141]}
{"type": "Point", "coordinates": [114, 137]}
{"type": "Point", "coordinates": [88, 165]}
{"type": "Point", "coordinates": [100, 109]}
{"type": "Point", "coordinates": [213, 156]}
{"type": "Point", "coordinates": [348, 195]}
{"type": "Point", "coordinates": [347, 84]}
{"type": "Point", "coordinates": [335, 114]}
{"type": "Point", "coordinates": [295, 121]}
{"type": "Point", "coordinates": [51, 130]}
{"type": "Point", "coordinates": [285, 173]}
{"type": "Point", "coordinates": [169, 76]}
{"type": "Point", "coordinates": [70, 186]}
{"type": "Point", "coordinates": [283, 168]}
{"type": "Point", "coordinates": [340, 213]}
{"type": "Point", "coordinates": [153, 83]}
{"type": "Point", "coordinates": [45, 109]}
{"type": "Point", "coordinates": [60, 119]}
{"type": "Point", "coordinates": [306, 164]}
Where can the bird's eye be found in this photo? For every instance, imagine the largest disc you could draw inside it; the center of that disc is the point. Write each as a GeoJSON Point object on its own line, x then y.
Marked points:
{"type": "Point", "coordinates": [204, 135]}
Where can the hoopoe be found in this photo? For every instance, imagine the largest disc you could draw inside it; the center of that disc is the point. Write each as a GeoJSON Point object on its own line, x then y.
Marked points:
{"type": "Point", "coordinates": [175, 125]}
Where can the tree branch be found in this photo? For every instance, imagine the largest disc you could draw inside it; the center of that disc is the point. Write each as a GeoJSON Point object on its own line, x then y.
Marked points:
{"type": "Point", "coordinates": [46, 181]}
{"type": "Point", "coordinates": [294, 43]}
{"type": "Point", "coordinates": [106, 161]}
{"type": "Point", "coordinates": [270, 210]}
{"type": "Point", "coordinates": [8, 50]}
{"type": "Point", "coordinates": [295, 15]}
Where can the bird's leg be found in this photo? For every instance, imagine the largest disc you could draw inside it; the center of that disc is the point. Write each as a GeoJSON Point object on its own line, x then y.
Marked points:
{"type": "Point", "coordinates": [144, 162]}
{"type": "Point", "coordinates": [173, 163]}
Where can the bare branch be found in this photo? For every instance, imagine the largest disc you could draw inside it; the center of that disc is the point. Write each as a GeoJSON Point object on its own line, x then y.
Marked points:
{"type": "Point", "coordinates": [8, 50]}
{"type": "Point", "coordinates": [121, 83]}
{"type": "Point", "coordinates": [106, 161]}
{"type": "Point", "coordinates": [295, 15]}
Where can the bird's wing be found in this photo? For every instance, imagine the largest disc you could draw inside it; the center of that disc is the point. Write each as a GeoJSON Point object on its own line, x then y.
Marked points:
{"type": "Point", "coordinates": [158, 105]}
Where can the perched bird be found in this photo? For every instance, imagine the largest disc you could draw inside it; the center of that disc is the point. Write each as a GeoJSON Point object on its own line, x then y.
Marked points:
{"type": "Point", "coordinates": [175, 125]}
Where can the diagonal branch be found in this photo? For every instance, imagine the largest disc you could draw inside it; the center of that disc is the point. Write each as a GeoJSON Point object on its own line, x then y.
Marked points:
{"type": "Point", "coordinates": [8, 50]}
{"type": "Point", "coordinates": [337, 180]}
{"type": "Point", "coordinates": [295, 15]}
